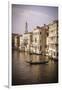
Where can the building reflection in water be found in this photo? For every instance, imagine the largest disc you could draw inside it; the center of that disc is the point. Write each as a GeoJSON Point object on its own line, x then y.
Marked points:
{"type": "Point", "coordinates": [24, 73]}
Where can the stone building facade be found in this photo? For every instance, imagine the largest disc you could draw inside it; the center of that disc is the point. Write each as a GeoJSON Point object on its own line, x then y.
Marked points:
{"type": "Point", "coordinates": [42, 40]}
{"type": "Point", "coordinates": [39, 40]}
{"type": "Point", "coordinates": [21, 45]}
{"type": "Point", "coordinates": [53, 39]}
{"type": "Point", "coordinates": [15, 41]}
{"type": "Point", "coordinates": [27, 38]}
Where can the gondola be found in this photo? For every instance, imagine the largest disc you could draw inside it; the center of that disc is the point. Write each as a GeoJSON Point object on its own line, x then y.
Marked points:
{"type": "Point", "coordinates": [35, 63]}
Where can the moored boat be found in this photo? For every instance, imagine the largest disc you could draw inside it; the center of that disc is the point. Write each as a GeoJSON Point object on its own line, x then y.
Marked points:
{"type": "Point", "coordinates": [41, 62]}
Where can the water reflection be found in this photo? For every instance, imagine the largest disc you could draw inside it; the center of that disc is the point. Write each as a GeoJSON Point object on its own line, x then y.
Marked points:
{"type": "Point", "coordinates": [24, 73]}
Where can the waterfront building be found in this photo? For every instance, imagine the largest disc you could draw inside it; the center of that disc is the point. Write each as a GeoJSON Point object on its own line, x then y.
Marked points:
{"type": "Point", "coordinates": [39, 40]}
{"type": "Point", "coordinates": [27, 39]}
{"type": "Point", "coordinates": [21, 45]}
{"type": "Point", "coordinates": [47, 41]}
{"type": "Point", "coordinates": [53, 39]}
{"type": "Point", "coordinates": [42, 40]}
{"type": "Point", "coordinates": [15, 40]}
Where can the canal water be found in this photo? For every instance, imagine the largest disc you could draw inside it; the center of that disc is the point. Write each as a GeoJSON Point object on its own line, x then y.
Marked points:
{"type": "Point", "coordinates": [23, 73]}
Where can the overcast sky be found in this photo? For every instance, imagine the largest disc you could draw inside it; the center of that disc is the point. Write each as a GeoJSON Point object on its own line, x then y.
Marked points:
{"type": "Point", "coordinates": [34, 15]}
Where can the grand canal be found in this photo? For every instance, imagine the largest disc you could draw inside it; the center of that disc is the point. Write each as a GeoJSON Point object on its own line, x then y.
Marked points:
{"type": "Point", "coordinates": [23, 73]}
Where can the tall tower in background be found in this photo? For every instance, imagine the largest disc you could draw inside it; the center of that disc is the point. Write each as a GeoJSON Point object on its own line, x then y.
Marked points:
{"type": "Point", "coordinates": [26, 27]}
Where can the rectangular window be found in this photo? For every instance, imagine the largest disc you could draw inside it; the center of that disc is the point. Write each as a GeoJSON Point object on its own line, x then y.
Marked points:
{"type": "Point", "coordinates": [40, 32]}
{"type": "Point", "coordinates": [40, 48]}
{"type": "Point", "coordinates": [35, 39]}
{"type": "Point", "coordinates": [54, 54]}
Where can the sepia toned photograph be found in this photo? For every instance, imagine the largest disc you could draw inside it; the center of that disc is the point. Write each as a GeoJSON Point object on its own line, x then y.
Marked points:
{"type": "Point", "coordinates": [34, 44]}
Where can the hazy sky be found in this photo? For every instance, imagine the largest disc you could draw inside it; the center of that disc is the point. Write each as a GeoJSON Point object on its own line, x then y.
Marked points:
{"type": "Point", "coordinates": [34, 15]}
